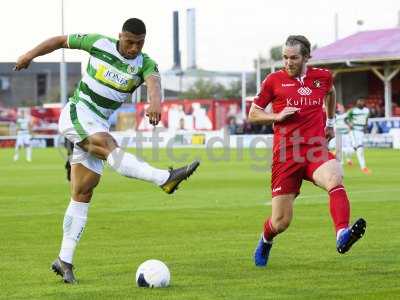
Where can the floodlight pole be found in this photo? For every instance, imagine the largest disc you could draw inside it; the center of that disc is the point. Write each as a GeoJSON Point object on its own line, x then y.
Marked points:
{"type": "Point", "coordinates": [336, 26]}
{"type": "Point", "coordinates": [63, 66]}
{"type": "Point", "coordinates": [258, 73]}
{"type": "Point", "coordinates": [244, 95]}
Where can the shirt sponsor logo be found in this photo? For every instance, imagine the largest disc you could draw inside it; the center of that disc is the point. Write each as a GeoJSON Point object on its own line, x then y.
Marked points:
{"type": "Point", "coordinates": [118, 80]}
{"type": "Point", "coordinates": [304, 91]}
{"type": "Point", "coordinates": [115, 77]}
{"type": "Point", "coordinates": [303, 101]}
{"type": "Point", "coordinates": [288, 84]}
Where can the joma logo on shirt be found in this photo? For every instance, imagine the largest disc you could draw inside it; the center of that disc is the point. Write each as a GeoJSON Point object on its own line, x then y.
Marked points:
{"type": "Point", "coordinates": [303, 101]}
{"type": "Point", "coordinates": [115, 77]}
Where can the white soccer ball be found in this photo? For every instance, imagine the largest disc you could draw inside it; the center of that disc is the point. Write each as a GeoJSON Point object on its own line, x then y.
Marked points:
{"type": "Point", "coordinates": [153, 273]}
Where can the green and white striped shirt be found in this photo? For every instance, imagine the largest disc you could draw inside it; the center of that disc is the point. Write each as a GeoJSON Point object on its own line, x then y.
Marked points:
{"type": "Point", "coordinates": [358, 117]}
{"type": "Point", "coordinates": [23, 125]}
{"type": "Point", "coordinates": [341, 126]}
{"type": "Point", "coordinates": [110, 79]}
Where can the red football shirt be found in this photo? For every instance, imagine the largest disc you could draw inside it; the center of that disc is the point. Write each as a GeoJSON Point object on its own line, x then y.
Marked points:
{"type": "Point", "coordinates": [307, 93]}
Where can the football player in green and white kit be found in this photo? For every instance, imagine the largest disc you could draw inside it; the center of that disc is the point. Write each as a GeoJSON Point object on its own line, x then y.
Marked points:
{"type": "Point", "coordinates": [343, 132]}
{"type": "Point", "coordinates": [357, 119]}
{"type": "Point", "coordinates": [23, 134]}
{"type": "Point", "coordinates": [115, 69]}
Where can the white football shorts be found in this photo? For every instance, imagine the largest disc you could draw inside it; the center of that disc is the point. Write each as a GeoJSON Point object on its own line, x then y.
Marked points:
{"type": "Point", "coordinates": [76, 123]}
{"type": "Point", "coordinates": [357, 138]}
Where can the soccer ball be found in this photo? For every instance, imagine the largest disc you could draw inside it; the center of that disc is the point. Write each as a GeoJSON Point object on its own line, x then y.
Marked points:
{"type": "Point", "coordinates": [153, 273]}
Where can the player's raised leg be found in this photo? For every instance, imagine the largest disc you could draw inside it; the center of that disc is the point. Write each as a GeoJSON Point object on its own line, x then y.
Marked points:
{"type": "Point", "coordinates": [103, 146]}
{"type": "Point", "coordinates": [329, 177]}
{"type": "Point", "coordinates": [279, 221]}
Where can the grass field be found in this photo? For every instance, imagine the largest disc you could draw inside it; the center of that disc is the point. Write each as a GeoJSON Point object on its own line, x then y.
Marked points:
{"type": "Point", "coordinates": [206, 233]}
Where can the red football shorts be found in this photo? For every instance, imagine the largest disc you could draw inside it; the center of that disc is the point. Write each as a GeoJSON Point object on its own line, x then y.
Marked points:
{"type": "Point", "coordinates": [293, 164]}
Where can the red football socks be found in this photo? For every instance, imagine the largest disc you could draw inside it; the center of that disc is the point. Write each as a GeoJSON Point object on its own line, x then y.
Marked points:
{"type": "Point", "coordinates": [339, 207]}
{"type": "Point", "coordinates": [269, 230]}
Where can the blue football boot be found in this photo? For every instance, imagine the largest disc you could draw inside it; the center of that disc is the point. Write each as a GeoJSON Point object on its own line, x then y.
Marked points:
{"type": "Point", "coordinates": [262, 252]}
{"type": "Point", "coordinates": [351, 235]}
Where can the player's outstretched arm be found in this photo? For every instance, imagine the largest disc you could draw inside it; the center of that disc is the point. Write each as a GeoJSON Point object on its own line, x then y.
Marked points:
{"type": "Point", "coordinates": [258, 115]}
{"type": "Point", "coordinates": [153, 84]}
{"type": "Point", "coordinates": [43, 48]}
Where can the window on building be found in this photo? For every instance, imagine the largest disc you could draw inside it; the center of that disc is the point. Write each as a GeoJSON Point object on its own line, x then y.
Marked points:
{"type": "Point", "coordinates": [4, 83]}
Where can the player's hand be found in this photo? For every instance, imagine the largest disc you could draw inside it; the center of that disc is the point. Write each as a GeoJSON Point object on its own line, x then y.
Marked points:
{"type": "Point", "coordinates": [285, 113]}
{"type": "Point", "coordinates": [23, 62]}
{"type": "Point", "coordinates": [329, 133]}
{"type": "Point", "coordinates": [153, 112]}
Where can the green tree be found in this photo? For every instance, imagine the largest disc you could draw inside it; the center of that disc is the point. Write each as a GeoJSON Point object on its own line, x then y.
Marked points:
{"type": "Point", "coordinates": [201, 89]}
{"type": "Point", "coordinates": [207, 89]}
{"type": "Point", "coordinates": [276, 53]}
{"type": "Point", "coordinates": [204, 89]}
{"type": "Point", "coordinates": [234, 91]}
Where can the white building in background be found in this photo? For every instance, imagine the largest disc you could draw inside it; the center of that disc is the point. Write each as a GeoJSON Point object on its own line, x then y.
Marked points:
{"type": "Point", "coordinates": [181, 81]}
{"type": "Point", "coordinates": [177, 79]}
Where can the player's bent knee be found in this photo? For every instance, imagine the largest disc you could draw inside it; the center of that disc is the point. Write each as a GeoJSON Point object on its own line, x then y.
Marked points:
{"type": "Point", "coordinates": [280, 225]}
{"type": "Point", "coordinates": [100, 144]}
{"type": "Point", "coordinates": [82, 196]}
{"type": "Point", "coordinates": [83, 192]}
{"type": "Point", "coordinates": [334, 180]}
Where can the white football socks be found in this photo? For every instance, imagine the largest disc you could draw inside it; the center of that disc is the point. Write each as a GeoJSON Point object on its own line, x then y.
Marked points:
{"type": "Point", "coordinates": [29, 153]}
{"type": "Point", "coordinates": [74, 222]}
{"type": "Point", "coordinates": [16, 153]}
{"type": "Point", "coordinates": [360, 156]}
{"type": "Point", "coordinates": [128, 165]}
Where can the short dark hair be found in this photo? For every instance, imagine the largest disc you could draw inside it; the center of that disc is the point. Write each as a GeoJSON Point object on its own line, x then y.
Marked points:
{"type": "Point", "coordinates": [135, 26]}
{"type": "Point", "coordinates": [305, 45]}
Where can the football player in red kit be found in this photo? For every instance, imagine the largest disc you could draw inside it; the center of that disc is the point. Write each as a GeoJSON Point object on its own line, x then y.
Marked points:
{"type": "Point", "coordinates": [298, 94]}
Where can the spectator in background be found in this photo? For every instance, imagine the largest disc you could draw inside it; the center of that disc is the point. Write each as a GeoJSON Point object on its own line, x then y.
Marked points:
{"type": "Point", "coordinates": [24, 127]}
{"type": "Point", "coordinates": [357, 120]}
{"type": "Point", "coordinates": [373, 113]}
{"type": "Point", "coordinates": [232, 125]}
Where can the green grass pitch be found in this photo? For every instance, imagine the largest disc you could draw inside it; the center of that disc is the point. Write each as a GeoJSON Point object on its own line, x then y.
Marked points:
{"type": "Point", "coordinates": [206, 233]}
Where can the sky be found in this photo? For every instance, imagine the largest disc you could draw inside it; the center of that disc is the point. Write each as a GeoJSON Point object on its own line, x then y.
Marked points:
{"type": "Point", "coordinates": [229, 34]}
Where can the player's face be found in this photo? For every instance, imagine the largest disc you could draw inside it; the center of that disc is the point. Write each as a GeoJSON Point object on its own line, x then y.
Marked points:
{"type": "Point", "coordinates": [293, 60]}
{"type": "Point", "coordinates": [360, 103]}
{"type": "Point", "coordinates": [130, 44]}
